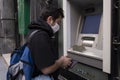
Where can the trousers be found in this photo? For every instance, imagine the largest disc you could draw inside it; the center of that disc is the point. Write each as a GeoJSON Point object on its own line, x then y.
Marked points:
{"type": "Point", "coordinates": [43, 77]}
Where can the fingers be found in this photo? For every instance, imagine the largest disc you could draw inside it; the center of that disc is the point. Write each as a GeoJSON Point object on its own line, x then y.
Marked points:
{"type": "Point", "coordinates": [67, 56]}
{"type": "Point", "coordinates": [67, 62]}
{"type": "Point", "coordinates": [67, 66]}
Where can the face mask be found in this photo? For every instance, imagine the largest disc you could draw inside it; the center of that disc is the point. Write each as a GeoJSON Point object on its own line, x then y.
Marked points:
{"type": "Point", "coordinates": [55, 28]}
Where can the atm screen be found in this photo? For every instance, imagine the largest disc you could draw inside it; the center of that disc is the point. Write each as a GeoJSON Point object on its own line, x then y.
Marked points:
{"type": "Point", "coordinates": [91, 24]}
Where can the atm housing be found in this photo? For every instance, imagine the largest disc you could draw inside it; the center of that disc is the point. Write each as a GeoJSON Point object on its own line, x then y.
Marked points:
{"type": "Point", "coordinates": [85, 40]}
{"type": "Point", "coordinates": [86, 32]}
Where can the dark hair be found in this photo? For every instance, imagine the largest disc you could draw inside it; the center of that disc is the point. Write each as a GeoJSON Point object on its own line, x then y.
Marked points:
{"type": "Point", "coordinates": [51, 11]}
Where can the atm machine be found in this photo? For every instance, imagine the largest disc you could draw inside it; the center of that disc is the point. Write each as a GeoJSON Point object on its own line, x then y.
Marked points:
{"type": "Point", "coordinates": [88, 29]}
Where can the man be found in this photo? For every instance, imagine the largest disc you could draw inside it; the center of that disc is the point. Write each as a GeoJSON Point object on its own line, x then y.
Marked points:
{"type": "Point", "coordinates": [46, 61]}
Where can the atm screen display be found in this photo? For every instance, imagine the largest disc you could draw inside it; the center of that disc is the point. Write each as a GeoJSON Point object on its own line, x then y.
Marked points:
{"type": "Point", "coordinates": [91, 24]}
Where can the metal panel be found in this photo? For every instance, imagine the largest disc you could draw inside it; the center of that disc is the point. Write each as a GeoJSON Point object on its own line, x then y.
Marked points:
{"type": "Point", "coordinates": [86, 60]}
{"type": "Point", "coordinates": [115, 40]}
{"type": "Point", "coordinates": [23, 15]}
{"type": "Point", "coordinates": [107, 36]}
{"type": "Point", "coordinates": [35, 8]}
{"type": "Point", "coordinates": [85, 3]}
{"type": "Point", "coordinates": [88, 72]}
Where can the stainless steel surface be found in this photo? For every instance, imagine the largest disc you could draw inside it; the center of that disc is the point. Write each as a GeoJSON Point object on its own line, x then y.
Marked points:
{"type": "Point", "coordinates": [89, 73]}
{"type": "Point", "coordinates": [92, 58]}
{"type": "Point", "coordinates": [89, 52]}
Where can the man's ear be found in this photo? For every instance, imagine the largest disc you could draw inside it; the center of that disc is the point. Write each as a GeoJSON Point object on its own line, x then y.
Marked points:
{"type": "Point", "coordinates": [49, 19]}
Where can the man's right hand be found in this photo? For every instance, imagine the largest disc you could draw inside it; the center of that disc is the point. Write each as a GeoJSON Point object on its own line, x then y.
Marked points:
{"type": "Point", "coordinates": [66, 61]}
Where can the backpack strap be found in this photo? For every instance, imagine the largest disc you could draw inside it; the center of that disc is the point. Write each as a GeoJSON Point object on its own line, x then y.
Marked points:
{"type": "Point", "coordinates": [31, 34]}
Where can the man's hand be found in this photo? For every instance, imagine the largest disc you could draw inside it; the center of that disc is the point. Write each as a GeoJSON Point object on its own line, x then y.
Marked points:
{"type": "Point", "coordinates": [66, 61]}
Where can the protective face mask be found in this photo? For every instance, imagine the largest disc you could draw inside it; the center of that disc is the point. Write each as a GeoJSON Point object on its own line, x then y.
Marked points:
{"type": "Point", "coordinates": [55, 28]}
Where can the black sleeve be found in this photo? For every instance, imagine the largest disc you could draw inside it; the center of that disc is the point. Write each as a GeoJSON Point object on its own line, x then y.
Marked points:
{"type": "Point", "coordinates": [41, 50]}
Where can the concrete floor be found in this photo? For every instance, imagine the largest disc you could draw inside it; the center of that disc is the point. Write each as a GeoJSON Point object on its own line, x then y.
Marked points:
{"type": "Point", "coordinates": [4, 62]}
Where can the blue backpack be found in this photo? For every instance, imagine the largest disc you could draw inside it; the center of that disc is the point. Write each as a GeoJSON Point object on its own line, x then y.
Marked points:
{"type": "Point", "coordinates": [21, 63]}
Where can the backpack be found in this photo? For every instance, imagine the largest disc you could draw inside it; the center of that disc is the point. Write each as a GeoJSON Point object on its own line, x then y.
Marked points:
{"type": "Point", "coordinates": [21, 63]}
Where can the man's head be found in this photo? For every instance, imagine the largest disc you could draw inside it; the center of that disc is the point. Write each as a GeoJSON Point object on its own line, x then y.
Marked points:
{"type": "Point", "coordinates": [52, 16]}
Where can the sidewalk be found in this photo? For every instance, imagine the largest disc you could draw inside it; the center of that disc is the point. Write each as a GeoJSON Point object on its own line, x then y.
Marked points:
{"type": "Point", "coordinates": [7, 58]}
{"type": "Point", "coordinates": [4, 62]}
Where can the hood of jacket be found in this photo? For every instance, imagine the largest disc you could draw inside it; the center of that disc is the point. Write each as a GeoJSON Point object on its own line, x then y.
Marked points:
{"type": "Point", "coordinates": [42, 25]}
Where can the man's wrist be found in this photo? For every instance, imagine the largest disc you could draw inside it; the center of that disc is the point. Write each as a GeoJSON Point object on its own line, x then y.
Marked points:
{"type": "Point", "coordinates": [58, 62]}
